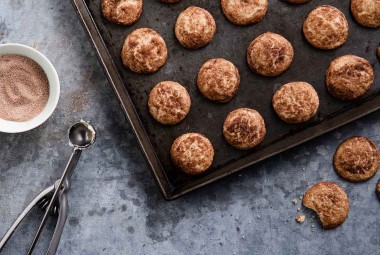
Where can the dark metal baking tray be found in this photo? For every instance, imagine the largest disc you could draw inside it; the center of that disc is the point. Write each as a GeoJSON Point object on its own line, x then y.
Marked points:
{"type": "Point", "coordinates": [206, 117]}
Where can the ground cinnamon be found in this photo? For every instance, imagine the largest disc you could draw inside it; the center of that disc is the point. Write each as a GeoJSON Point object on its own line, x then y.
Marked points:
{"type": "Point", "coordinates": [24, 88]}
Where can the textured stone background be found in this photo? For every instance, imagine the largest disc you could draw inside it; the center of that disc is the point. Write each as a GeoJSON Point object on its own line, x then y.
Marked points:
{"type": "Point", "coordinates": [115, 206]}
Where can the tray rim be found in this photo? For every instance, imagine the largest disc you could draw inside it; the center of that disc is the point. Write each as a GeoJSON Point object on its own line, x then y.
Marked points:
{"type": "Point", "coordinates": [167, 191]}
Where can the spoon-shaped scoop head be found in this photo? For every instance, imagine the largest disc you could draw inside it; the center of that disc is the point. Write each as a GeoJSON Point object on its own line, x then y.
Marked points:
{"type": "Point", "coordinates": [82, 135]}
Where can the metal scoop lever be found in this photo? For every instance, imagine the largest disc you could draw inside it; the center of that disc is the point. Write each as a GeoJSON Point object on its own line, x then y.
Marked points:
{"type": "Point", "coordinates": [81, 136]}
{"type": "Point", "coordinates": [35, 201]}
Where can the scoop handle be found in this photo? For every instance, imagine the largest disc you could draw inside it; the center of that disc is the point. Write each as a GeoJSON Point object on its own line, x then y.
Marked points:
{"type": "Point", "coordinates": [62, 216]}
{"type": "Point", "coordinates": [23, 214]}
{"type": "Point", "coordinates": [67, 173]}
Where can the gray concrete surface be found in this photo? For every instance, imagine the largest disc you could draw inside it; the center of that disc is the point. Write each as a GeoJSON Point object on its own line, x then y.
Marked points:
{"type": "Point", "coordinates": [115, 205]}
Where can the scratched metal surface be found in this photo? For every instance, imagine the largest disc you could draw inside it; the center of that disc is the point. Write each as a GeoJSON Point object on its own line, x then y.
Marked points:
{"type": "Point", "coordinates": [230, 42]}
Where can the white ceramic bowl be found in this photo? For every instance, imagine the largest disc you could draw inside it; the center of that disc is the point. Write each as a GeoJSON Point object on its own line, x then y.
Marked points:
{"type": "Point", "coordinates": [54, 88]}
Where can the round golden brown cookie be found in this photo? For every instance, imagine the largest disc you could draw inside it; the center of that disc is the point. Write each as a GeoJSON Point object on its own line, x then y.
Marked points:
{"type": "Point", "coordinates": [296, 102]}
{"type": "Point", "coordinates": [124, 12]}
{"type": "Point", "coordinates": [195, 27]}
{"type": "Point", "coordinates": [170, 1]}
{"type": "Point", "coordinates": [378, 52]}
{"type": "Point", "coordinates": [329, 201]}
{"type": "Point", "coordinates": [297, 1]}
{"type": "Point", "coordinates": [378, 188]}
{"type": "Point", "coordinates": [270, 54]}
{"type": "Point", "coordinates": [244, 12]}
{"type": "Point", "coordinates": [366, 12]}
{"type": "Point", "coordinates": [349, 77]}
{"type": "Point", "coordinates": [169, 102]}
{"type": "Point", "coordinates": [218, 80]}
{"type": "Point", "coordinates": [144, 51]}
{"type": "Point", "coordinates": [326, 27]}
{"type": "Point", "coordinates": [192, 153]}
{"type": "Point", "coordinates": [244, 128]}
{"type": "Point", "coordinates": [357, 159]}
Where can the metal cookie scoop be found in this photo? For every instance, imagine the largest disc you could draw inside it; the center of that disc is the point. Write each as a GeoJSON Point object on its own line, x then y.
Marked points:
{"type": "Point", "coordinates": [81, 136]}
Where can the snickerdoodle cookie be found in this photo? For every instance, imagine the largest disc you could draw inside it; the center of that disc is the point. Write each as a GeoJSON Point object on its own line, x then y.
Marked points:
{"type": "Point", "coordinates": [195, 27]}
{"type": "Point", "coordinates": [326, 27]}
{"type": "Point", "coordinates": [218, 80]}
{"type": "Point", "coordinates": [169, 102]}
{"type": "Point", "coordinates": [366, 12]}
{"type": "Point", "coordinates": [244, 12]}
{"type": "Point", "coordinates": [378, 188]}
{"type": "Point", "coordinates": [357, 159]}
{"type": "Point", "coordinates": [144, 51]}
{"type": "Point", "coordinates": [192, 153]}
{"type": "Point", "coordinates": [244, 128]}
{"type": "Point", "coordinates": [349, 77]}
{"type": "Point", "coordinates": [296, 102]}
{"type": "Point", "coordinates": [270, 54]}
{"type": "Point", "coordinates": [124, 12]}
{"type": "Point", "coordinates": [329, 201]}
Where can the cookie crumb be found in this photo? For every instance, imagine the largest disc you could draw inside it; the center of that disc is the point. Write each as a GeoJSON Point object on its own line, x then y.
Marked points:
{"type": "Point", "coordinates": [301, 218]}
{"type": "Point", "coordinates": [299, 209]}
{"type": "Point", "coordinates": [295, 201]}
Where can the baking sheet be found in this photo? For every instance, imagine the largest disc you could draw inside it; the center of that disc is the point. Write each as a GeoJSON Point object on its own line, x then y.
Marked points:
{"type": "Point", "coordinates": [230, 42]}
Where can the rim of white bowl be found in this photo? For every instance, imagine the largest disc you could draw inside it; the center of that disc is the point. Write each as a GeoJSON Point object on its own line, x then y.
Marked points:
{"type": "Point", "coordinates": [7, 126]}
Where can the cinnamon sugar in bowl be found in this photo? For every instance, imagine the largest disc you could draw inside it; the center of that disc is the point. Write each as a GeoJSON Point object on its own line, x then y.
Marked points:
{"type": "Point", "coordinates": [29, 88]}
